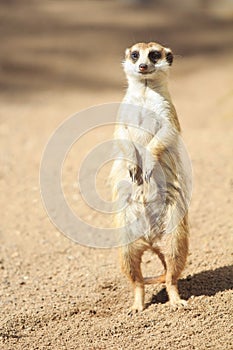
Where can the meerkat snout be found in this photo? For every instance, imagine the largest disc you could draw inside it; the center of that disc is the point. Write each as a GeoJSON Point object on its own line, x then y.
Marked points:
{"type": "Point", "coordinates": [143, 67]}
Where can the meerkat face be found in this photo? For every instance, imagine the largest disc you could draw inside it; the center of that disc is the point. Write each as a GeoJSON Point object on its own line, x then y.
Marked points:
{"type": "Point", "coordinates": [146, 60]}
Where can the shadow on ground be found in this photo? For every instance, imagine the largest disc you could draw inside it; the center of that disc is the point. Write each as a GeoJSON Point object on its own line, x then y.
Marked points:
{"type": "Point", "coordinates": [206, 283]}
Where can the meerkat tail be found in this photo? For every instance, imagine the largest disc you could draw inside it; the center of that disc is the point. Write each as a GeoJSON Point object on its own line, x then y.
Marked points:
{"type": "Point", "coordinates": [155, 279]}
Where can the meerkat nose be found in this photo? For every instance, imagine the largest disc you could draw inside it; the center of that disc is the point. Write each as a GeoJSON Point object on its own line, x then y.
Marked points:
{"type": "Point", "coordinates": [143, 67]}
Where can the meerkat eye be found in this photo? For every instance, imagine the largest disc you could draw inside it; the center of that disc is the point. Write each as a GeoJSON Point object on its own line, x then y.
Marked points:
{"type": "Point", "coordinates": [134, 55]}
{"type": "Point", "coordinates": [154, 56]}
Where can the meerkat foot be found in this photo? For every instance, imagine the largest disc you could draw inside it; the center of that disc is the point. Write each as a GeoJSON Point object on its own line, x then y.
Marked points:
{"type": "Point", "coordinates": [178, 304]}
{"type": "Point", "coordinates": [136, 308]}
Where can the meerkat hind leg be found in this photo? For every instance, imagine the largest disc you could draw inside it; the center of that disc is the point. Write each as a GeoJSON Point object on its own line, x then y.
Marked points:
{"type": "Point", "coordinates": [172, 289]}
{"type": "Point", "coordinates": [131, 266]}
{"type": "Point", "coordinates": [139, 293]}
{"type": "Point", "coordinates": [175, 264]}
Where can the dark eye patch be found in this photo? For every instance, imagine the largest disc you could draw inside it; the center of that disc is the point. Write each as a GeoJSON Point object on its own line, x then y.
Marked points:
{"type": "Point", "coordinates": [134, 55]}
{"type": "Point", "coordinates": [154, 56]}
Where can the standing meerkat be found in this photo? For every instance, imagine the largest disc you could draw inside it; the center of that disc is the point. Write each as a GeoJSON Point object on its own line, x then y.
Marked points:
{"type": "Point", "coordinates": [152, 202]}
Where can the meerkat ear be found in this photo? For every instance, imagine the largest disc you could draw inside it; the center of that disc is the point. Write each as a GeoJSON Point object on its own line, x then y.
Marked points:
{"type": "Point", "coordinates": [169, 56]}
{"type": "Point", "coordinates": [127, 52]}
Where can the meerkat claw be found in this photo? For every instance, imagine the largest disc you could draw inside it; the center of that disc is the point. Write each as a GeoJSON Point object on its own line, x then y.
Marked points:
{"type": "Point", "coordinates": [135, 174]}
{"type": "Point", "coordinates": [178, 304]}
{"type": "Point", "coordinates": [131, 174]}
{"type": "Point", "coordinates": [148, 176]}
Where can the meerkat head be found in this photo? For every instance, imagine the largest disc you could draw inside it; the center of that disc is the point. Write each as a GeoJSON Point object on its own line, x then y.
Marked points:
{"type": "Point", "coordinates": [145, 61]}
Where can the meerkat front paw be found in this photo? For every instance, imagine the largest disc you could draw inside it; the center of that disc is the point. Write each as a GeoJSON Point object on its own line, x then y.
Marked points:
{"type": "Point", "coordinates": [148, 174]}
{"type": "Point", "coordinates": [149, 166]}
{"type": "Point", "coordinates": [135, 173]}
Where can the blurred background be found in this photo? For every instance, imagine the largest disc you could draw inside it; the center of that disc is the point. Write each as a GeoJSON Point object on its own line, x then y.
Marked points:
{"type": "Point", "coordinates": [50, 46]}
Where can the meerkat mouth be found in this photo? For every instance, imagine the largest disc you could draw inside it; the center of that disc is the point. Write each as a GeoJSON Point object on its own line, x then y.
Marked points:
{"type": "Point", "coordinates": [146, 73]}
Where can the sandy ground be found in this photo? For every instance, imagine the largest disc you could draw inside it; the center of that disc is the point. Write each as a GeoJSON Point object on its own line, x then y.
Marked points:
{"type": "Point", "coordinates": [56, 59]}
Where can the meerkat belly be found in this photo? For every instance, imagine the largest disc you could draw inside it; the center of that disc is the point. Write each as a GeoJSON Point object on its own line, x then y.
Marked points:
{"type": "Point", "coordinates": [140, 136]}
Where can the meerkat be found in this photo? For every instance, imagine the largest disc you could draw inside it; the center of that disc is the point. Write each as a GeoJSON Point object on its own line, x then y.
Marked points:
{"type": "Point", "coordinates": [154, 211]}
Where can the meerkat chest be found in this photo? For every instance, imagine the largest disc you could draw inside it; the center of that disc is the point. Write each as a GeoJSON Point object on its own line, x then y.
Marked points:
{"type": "Point", "coordinates": [144, 114]}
